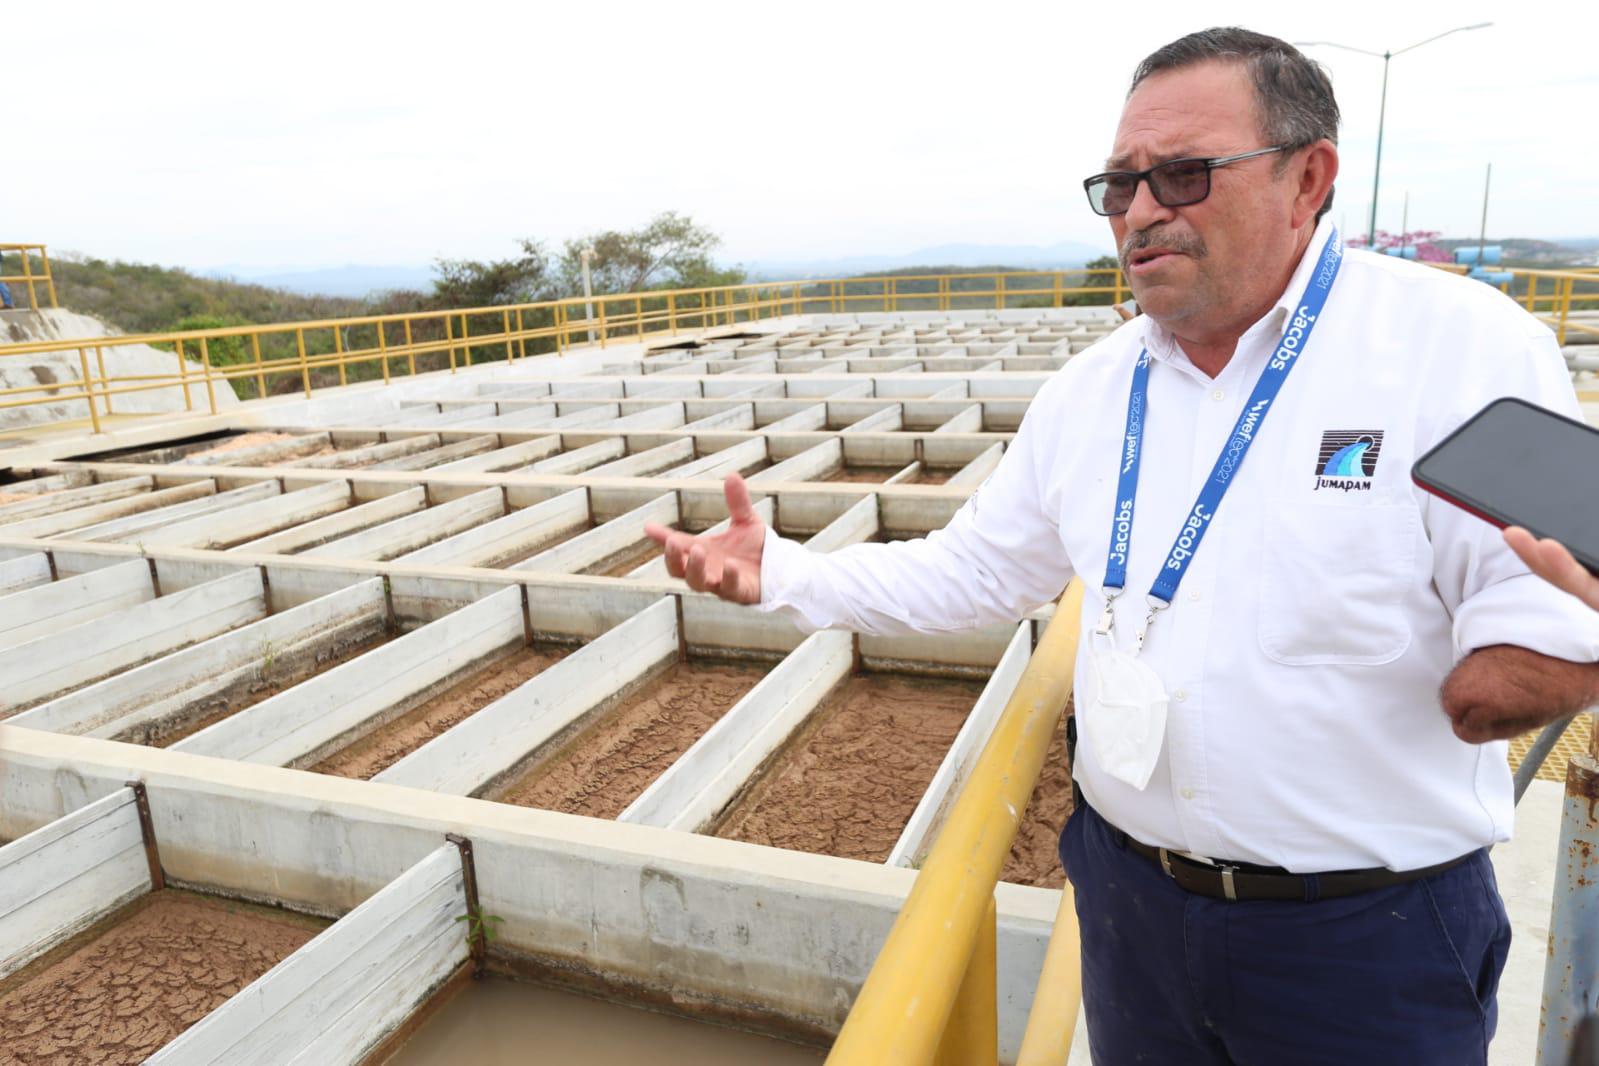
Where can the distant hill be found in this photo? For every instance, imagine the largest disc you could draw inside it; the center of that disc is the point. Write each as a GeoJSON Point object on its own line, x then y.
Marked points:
{"type": "Point", "coordinates": [145, 298]}
{"type": "Point", "coordinates": [1528, 252]}
{"type": "Point", "coordinates": [961, 256]}
{"type": "Point", "coordinates": [351, 280]}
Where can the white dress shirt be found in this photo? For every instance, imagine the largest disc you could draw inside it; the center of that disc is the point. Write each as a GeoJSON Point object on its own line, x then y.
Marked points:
{"type": "Point", "coordinates": [1305, 649]}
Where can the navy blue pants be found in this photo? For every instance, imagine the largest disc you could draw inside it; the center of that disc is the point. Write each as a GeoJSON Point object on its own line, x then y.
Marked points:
{"type": "Point", "coordinates": [1403, 975]}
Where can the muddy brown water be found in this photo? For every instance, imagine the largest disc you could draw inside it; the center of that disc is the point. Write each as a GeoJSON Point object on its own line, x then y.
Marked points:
{"type": "Point", "coordinates": [266, 684]}
{"type": "Point", "coordinates": [132, 983]}
{"type": "Point", "coordinates": [605, 767]}
{"type": "Point", "coordinates": [387, 745]}
{"type": "Point", "coordinates": [847, 784]}
{"type": "Point", "coordinates": [499, 1022]}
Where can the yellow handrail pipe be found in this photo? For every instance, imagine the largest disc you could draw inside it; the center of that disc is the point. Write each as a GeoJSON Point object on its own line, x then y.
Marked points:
{"type": "Point", "coordinates": [931, 988]}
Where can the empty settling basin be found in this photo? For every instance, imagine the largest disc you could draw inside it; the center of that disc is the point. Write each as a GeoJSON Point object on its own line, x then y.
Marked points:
{"type": "Point", "coordinates": [313, 711]}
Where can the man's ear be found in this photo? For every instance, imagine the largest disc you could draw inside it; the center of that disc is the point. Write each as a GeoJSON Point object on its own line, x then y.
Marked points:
{"type": "Point", "coordinates": [1316, 172]}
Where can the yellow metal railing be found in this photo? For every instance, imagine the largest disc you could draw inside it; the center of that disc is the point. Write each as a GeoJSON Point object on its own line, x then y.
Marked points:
{"type": "Point", "coordinates": [1552, 295]}
{"type": "Point", "coordinates": [30, 279]}
{"type": "Point", "coordinates": [931, 996]}
{"type": "Point", "coordinates": [258, 361]}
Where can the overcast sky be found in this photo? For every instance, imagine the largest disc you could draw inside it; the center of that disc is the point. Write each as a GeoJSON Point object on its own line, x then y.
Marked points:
{"type": "Point", "coordinates": [293, 134]}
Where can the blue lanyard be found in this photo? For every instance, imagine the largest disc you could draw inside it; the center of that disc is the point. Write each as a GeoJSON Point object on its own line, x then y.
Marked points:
{"type": "Point", "coordinates": [1270, 383]}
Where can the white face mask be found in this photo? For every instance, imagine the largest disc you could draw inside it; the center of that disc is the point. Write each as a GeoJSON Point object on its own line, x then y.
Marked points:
{"type": "Point", "coordinates": [1123, 715]}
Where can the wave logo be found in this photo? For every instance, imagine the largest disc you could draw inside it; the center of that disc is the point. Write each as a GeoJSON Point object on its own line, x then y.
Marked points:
{"type": "Point", "coordinates": [1348, 459]}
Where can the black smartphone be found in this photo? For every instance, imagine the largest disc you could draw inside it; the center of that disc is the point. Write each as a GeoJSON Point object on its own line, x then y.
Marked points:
{"type": "Point", "coordinates": [1515, 464]}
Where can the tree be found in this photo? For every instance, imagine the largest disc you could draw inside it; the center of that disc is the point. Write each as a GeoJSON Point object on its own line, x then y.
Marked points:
{"type": "Point", "coordinates": [669, 252]}
{"type": "Point", "coordinates": [475, 283]}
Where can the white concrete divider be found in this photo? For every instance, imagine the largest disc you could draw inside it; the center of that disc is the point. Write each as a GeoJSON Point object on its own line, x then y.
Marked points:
{"type": "Point", "coordinates": [919, 832]}
{"type": "Point", "coordinates": [656, 567]}
{"type": "Point", "coordinates": [101, 647]}
{"type": "Point", "coordinates": [406, 534]}
{"type": "Point", "coordinates": [443, 454]}
{"type": "Point", "coordinates": [251, 520]}
{"type": "Point", "coordinates": [316, 717]}
{"type": "Point", "coordinates": [727, 461]}
{"type": "Point", "coordinates": [70, 498]}
{"type": "Point", "coordinates": [38, 612]}
{"type": "Point", "coordinates": [68, 874]}
{"type": "Point", "coordinates": [453, 415]}
{"type": "Point", "coordinates": [473, 755]}
{"type": "Point", "coordinates": [810, 463]}
{"type": "Point", "coordinates": [806, 419]}
{"type": "Point", "coordinates": [970, 420]}
{"type": "Point", "coordinates": [373, 453]}
{"type": "Point", "coordinates": [859, 523]}
{"type": "Point", "coordinates": [38, 486]}
{"type": "Point", "coordinates": [739, 417]}
{"type": "Point", "coordinates": [889, 419]}
{"type": "Point", "coordinates": [517, 533]}
{"type": "Point", "coordinates": [591, 416]}
{"type": "Point", "coordinates": [133, 528]}
{"type": "Point", "coordinates": [162, 691]}
{"type": "Point", "coordinates": [519, 417]}
{"type": "Point", "coordinates": [350, 520]}
{"type": "Point", "coordinates": [649, 461]}
{"type": "Point", "coordinates": [268, 454]}
{"type": "Point", "coordinates": [333, 1000]}
{"type": "Point", "coordinates": [972, 474]}
{"type": "Point", "coordinates": [92, 514]}
{"type": "Point", "coordinates": [605, 540]}
{"type": "Point", "coordinates": [694, 790]}
{"type": "Point", "coordinates": [24, 572]}
{"type": "Point", "coordinates": [578, 459]}
{"type": "Point", "coordinates": [503, 458]}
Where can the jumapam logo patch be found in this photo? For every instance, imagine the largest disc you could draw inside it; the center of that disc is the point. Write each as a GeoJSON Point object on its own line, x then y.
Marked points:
{"type": "Point", "coordinates": [1348, 459]}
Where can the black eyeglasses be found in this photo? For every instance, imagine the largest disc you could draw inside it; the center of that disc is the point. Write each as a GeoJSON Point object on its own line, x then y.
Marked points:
{"type": "Point", "coordinates": [1176, 183]}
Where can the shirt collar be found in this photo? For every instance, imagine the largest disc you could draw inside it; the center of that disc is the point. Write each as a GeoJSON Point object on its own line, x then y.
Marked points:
{"type": "Point", "coordinates": [1162, 345]}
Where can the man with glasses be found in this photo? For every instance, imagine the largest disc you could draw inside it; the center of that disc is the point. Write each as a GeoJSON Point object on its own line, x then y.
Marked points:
{"type": "Point", "coordinates": [1298, 671]}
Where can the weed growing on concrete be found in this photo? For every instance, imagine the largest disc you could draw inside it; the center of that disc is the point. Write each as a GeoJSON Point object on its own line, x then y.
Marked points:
{"type": "Point", "coordinates": [479, 924]}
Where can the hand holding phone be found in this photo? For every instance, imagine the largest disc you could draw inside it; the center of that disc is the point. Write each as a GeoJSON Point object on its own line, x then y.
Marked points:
{"type": "Point", "coordinates": [1553, 562]}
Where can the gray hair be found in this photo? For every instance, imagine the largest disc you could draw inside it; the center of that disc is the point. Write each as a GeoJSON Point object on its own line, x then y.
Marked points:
{"type": "Point", "coordinates": [1293, 95]}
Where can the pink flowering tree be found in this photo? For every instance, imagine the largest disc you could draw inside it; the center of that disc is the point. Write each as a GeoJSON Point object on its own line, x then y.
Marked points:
{"type": "Point", "coordinates": [1419, 239]}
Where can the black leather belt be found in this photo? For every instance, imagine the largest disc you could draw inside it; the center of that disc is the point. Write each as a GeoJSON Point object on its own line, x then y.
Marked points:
{"type": "Point", "coordinates": [1246, 881]}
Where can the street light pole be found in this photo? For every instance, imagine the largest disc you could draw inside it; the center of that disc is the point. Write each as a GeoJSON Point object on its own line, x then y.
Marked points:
{"type": "Point", "coordinates": [1382, 107]}
{"type": "Point", "coordinates": [1376, 171]}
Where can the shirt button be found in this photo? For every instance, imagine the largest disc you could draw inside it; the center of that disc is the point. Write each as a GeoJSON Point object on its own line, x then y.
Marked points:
{"type": "Point", "coordinates": [1193, 594]}
{"type": "Point", "coordinates": [1188, 793]}
{"type": "Point", "coordinates": [1218, 394]}
{"type": "Point", "coordinates": [1180, 695]}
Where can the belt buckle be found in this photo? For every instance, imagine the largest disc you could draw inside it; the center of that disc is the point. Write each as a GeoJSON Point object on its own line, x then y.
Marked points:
{"type": "Point", "coordinates": [1228, 887]}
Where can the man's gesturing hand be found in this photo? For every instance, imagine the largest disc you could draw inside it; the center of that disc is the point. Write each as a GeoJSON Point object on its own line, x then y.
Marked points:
{"type": "Point", "coordinates": [1550, 560]}
{"type": "Point", "coordinates": [728, 564]}
{"type": "Point", "coordinates": [1501, 691]}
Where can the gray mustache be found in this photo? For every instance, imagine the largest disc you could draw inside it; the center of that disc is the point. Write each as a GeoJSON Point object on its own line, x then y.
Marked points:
{"type": "Point", "coordinates": [1188, 244]}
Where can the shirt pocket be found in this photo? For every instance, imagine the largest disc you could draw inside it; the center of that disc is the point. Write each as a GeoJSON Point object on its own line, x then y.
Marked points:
{"type": "Point", "coordinates": [1334, 577]}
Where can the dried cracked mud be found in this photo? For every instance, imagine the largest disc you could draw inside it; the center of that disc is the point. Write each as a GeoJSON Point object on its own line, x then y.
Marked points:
{"type": "Point", "coordinates": [133, 983]}
{"type": "Point", "coordinates": [606, 766]}
{"type": "Point", "coordinates": [1034, 858]}
{"type": "Point", "coordinates": [387, 745]}
{"type": "Point", "coordinates": [848, 783]}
